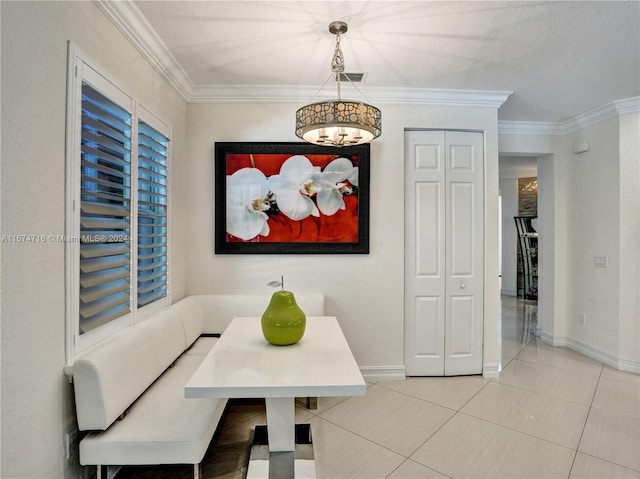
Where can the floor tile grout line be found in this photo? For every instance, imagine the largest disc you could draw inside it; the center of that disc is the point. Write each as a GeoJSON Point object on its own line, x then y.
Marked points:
{"type": "Point", "coordinates": [319, 416]}
{"type": "Point", "coordinates": [391, 450]}
{"type": "Point", "coordinates": [560, 368]}
{"type": "Point", "coordinates": [362, 437]}
{"type": "Point", "coordinates": [515, 430]}
{"type": "Point", "coordinates": [478, 392]}
{"type": "Point", "coordinates": [433, 434]}
{"type": "Point", "coordinates": [497, 381]}
{"type": "Point", "coordinates": [609, 461]}
{"type": "Point", "coordinates": [622, 382]}
{"type": "Point", "coordinates": [615, 413]}
{"type": "Point", "coordinates": [516, 356]}
{"type": "Point", "coordinates": [540, 394]}
{"type": "Point", "coordinates": [422, 399]}
{"type": "Point", "coordinates": [586, 420]}
{"type": "Point", "coordinates": [419, 463]}
{"type": "Point", "coordinates": [455, 411]}
{"type": "Point", "coordinates": [444, 424]}
{"type": "Point", "coordinates": [407, 395]}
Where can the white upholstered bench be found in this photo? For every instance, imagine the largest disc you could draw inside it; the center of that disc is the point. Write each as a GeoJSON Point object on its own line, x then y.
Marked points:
{"type": "Point", "coordinates": [129, 389]}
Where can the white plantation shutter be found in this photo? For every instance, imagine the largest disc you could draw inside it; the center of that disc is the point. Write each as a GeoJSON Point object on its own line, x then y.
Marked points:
{"type": "Point", "coordinates": [117, 237]}
{"type": "Point", "coordinates": [152, 214]}
{"type": "Point", "coordinates": [105, 210]}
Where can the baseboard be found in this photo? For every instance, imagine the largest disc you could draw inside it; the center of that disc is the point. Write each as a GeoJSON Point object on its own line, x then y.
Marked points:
{"type": "Point", "coordinates": [550, 339]}
{"type": "Point", "coordinates": [398, 373]}
{"type": "Point", "coordinates": [508, 292]}
{"type": "Point", "coordinates": [600, 355]}
{"type": "Point", "coordinates": [629, 365]}
{"type": "Point", "coordinates": [591, 351]}
{"type": "Point", "coordinates": [491, 370]}
{"type": "Point", "coordinates": [383, 373]}
{"type": "Point", "coordinates": [374, 374]}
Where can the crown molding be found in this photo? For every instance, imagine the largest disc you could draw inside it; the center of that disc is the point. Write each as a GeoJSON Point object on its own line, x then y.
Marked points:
{"type": "Point", "coordinates": [613, 109]}
{"type": "Point", "coordinates": [628, 105]}
{"type": "Point", "coordinates": [132, 23]}
{"type": "Point", "coordinates": [529, 127]}
{"type": "Point", "coordinates": [445, 97]}
{"type": "Point", "coordinates": [589, 118]}
{"type": "Point", "coordinates": [288, 93]}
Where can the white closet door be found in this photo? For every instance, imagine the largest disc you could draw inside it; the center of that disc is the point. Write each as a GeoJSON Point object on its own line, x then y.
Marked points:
{"type": "Point", "coordinates": [465, 227]}
{"type": "Point", "coordinates": [444, 204]}
{"type": "Point", "coordinates": [425, 274]}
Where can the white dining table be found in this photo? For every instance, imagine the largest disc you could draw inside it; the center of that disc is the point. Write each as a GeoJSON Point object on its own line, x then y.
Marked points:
{"type": "Point", "coordinates": [242, 364]}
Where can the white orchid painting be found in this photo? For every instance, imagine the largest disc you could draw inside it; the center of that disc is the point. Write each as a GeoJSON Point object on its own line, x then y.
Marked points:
{"type": "Point", "coordinates": [292, 198]}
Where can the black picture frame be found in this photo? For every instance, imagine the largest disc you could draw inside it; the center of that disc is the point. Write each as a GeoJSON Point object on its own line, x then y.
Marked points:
{"type": "Point", "coordinates": [229, 155]}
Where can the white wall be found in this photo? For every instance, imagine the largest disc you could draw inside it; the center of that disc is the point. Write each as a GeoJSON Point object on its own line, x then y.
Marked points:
{"type": "Point", "coordinates": [366, 292]}
{"type": "Point", "coordinates": [608, 224]}
{"type": "Point", "coordinates": [594, 229]}
{"type": "Point", "coordinates": [553, 244]}
{"type": "Point", "coordinates": [589, 205]}
{"type": "Point", "coordinates": [630, 239]}
{"type": "Point", "coordinates": [509, 192]}
{"type": "Point", "coordinates": [37, 405]}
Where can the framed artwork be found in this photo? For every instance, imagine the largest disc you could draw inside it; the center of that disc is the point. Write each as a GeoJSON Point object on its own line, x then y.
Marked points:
{"type": "Point", "coordinates": [291, 198]}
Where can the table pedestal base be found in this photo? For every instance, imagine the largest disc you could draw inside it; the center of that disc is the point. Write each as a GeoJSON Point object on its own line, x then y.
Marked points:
{"type": "Point", "coordinates": [296, 464]}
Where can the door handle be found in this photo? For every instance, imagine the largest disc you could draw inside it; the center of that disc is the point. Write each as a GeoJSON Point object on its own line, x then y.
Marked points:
{"type": "Point", "coordinates": [462, 286]}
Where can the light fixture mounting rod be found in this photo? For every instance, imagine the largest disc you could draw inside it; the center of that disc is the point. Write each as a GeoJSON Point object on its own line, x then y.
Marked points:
{"type": "Point", "coordinates": [338, 28]}
{"type": "Point", "coordinates": [338, 122]}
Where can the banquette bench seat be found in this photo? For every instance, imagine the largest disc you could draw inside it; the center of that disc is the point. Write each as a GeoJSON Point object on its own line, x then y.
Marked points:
{"type": "Point", "coordinates": [129, 389]}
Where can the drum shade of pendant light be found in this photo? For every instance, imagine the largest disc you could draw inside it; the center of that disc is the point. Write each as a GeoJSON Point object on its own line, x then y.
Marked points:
{"type": "Point", "coordinates": [338, 122]}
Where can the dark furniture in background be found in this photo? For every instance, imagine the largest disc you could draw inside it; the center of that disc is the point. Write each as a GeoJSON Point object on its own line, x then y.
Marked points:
{"type": "Point", "coordinates": [528, 254]}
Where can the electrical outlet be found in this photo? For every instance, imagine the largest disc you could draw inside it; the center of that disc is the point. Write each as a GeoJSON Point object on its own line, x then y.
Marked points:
{"type": "Point", "coordinates": [582, 318]}
{"type": "Point", "coordinates": [71, 442]}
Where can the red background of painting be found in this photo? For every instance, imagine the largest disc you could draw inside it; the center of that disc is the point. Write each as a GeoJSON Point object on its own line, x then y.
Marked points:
{"type": "Point", "coordinates": [342, 227]}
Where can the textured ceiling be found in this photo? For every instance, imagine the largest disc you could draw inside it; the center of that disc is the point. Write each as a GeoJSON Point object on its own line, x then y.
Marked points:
{"type": "Point", "coordinates": [560, 59]}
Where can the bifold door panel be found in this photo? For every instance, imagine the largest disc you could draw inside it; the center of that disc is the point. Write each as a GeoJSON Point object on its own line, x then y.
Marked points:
{"type": "Point", "coordinates": [444, 198]}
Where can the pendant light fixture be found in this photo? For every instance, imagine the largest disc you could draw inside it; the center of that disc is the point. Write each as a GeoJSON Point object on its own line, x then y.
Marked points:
{"type": "Point", "coordinates": [338, 122]}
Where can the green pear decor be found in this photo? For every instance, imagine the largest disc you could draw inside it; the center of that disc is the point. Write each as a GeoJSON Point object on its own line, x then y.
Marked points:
{"type": "Point", "coordinates": [283, 322]}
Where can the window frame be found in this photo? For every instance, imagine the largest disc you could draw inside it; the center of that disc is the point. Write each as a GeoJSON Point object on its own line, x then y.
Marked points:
{"type": "Point", "coordinates": [81, 69]}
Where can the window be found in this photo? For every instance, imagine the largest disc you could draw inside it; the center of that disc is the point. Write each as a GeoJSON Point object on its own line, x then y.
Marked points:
{"type": "Point", "coordinates": [152, 214]}
{"type": "Point", "coordinates": [117, 208]}
{"type": "Point", "coordinates": [105, 211]}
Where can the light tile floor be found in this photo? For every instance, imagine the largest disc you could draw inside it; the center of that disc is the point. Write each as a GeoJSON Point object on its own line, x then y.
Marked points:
{"type": "Point", "coordinates": [553, 413]}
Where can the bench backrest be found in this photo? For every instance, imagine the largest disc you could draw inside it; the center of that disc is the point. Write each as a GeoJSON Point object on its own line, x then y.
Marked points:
{"type": "Point", "coordinates": [110, 376]}
{"type": "Point", "coordinates": [220, 309]}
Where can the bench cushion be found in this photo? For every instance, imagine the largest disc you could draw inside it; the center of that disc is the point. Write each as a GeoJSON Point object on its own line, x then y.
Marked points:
{"type": "Point", "coordinates": [162, 427]}
{"type": "Point", "coordinates": [110, 376]}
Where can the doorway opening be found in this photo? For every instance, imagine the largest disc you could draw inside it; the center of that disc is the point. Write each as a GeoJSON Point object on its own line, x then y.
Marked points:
{"type": "Point", "coordinates": [519, 199]}
{"type": "Point", "coordinates": [519, 239]}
